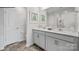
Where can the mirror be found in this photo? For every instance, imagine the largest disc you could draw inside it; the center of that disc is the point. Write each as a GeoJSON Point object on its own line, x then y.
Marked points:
{"type": "Point", "coordinates": [69, 19]}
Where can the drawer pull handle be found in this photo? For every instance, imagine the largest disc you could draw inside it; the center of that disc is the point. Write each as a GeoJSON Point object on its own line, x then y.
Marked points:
{"type": "Point", "coordinates": [56, 42]}
{"type": "Point", "coordinates": [38, 35]}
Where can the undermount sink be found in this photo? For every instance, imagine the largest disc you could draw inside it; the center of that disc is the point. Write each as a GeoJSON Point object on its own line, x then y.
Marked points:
{"type": "Point", "coordinates": [49, 28]}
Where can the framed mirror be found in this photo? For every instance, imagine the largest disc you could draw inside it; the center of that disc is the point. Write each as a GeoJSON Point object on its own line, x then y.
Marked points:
{"type": "Point", "coordinates": [34, 17]}
{"type": "Point", "coordinates": [42, 18]}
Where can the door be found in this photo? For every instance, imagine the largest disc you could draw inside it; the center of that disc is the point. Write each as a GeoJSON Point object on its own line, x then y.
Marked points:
{"type": "Point", "coordinates": [39, 38]}
{"type": "Point", "coordinates": [20, 23]}
{"type": "Point", "coordinates": [10, 29]}
{"type": "Point", "coordinates": [14, 26]}
{"type": "Point", "coordinates": [1, 28]}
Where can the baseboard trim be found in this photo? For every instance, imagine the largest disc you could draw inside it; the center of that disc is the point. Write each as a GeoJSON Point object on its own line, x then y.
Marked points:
{"type": "Point", "coordinates": [28, 45]}
{"type": "Point", "coordinates": [12, 43]}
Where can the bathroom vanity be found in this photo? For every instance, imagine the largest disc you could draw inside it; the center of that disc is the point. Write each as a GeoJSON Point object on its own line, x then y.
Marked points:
{"type": "Point", "coordinates": [56, 40]}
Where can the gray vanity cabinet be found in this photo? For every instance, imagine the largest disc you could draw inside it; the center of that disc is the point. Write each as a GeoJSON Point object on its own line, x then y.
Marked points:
{"type": "Point", "coordinates": [42, 40]}
{"type": "Point", "coordinates": [55, 42]}
{"type": "Point", "coordinates": [36, 37]}
{"type": "Point", "coordinates": [39, 38]}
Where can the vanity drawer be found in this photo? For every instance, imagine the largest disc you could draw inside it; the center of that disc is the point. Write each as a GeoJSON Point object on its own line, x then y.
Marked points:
{"type": "Point", "coordinates": [35, 30]}
{"type": "Point", "coordinates": [65, 46]}
{"type": "Point", "coordinates": [38, 31]}
{"type": "Point", "coordinates": [53, 44]}
{"type": "Point", "coordinates": [62, 37]}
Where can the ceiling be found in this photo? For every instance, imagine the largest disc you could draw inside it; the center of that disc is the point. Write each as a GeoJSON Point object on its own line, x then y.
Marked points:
{"type": "Point", "coordinates": [57, 9]}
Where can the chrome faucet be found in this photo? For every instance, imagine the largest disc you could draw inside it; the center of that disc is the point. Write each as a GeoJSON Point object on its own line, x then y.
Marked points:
{"type": "Point", "coordinates": [60, 25]}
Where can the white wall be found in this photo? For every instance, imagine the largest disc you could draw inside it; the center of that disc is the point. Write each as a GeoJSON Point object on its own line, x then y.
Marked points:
{"type": "Point", "coordinates": [77, 9]}
{"type": "Point", "coordinates": [52, 20]}
{"type": "Point", "coordinates": [31, 25]}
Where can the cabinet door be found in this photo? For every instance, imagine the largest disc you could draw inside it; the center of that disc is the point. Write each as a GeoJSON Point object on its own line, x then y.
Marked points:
{"type": "Point", "coordinates": [50, 44]}
{"type": "Point", "coordinates": [42, 40]}
{"type": "Point", "coordinates": [36, 38]}
{"type": "Point", "coordinates": [10, 26]}
{"type": "Point", "coordinates": [14, 25]}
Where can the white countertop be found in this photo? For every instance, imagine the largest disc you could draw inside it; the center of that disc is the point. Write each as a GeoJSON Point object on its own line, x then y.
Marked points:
{"type": "Point", "coordinates": [59, 32]}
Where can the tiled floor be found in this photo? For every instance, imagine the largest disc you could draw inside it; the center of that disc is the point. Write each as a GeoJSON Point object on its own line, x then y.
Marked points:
{"type": "Point", "coordinates": [21, 46]}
